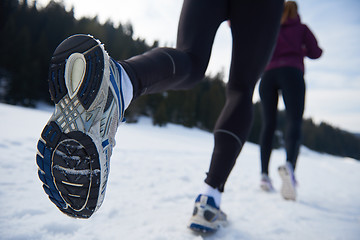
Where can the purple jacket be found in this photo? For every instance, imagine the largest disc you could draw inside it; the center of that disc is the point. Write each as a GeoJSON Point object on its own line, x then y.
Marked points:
{"type": "Point", "coordinates": [295, 42]}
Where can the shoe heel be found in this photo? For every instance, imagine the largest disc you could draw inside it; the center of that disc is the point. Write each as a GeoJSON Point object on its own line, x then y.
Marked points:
{"type": "Point", "coordinates": [77, 69]}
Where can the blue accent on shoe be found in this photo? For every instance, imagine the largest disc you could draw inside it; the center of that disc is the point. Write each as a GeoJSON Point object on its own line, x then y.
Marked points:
{"type": "Point", "coordinates": [201, 228]}
{"type": "Point", "coordinates": [45, 173]}
{"type": "Point", "coordinates": [210, 201]}
{"type": "Point", "coordinates": [118, 90]}
{"type": "Point", "coordinates": [42, 176]}
{"type": "Point", "coordinates": [105, 143]}
{"type": "Point", "coordinates": [53, 80]}
{"type": "Point", "coordinates": [54, 197]}
{"type": "Point", "coordinates": [52, 137]}
{"type": "Point", "coordinates": [41, 147]}
{"type": "Point", "coordinates": [48, 131]}
{"type": "Point", "coordinates": [40, 162]}
{"type": "Point", "coordinates": [88, 76]}
{"type": "Point", "coordinates": [47, 160]}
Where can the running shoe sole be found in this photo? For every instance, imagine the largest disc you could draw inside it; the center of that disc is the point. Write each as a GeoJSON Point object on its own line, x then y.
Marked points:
{"type": "Point", "coordinates": [288, 190]}
{"type": "Point", "coordinates": [200, 225]}
{"type": "Point", "coordinates": [68, 155]}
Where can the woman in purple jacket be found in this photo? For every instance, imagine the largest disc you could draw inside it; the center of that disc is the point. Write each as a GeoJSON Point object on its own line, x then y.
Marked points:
{"type": "Point", "coordinates": [285, 74]}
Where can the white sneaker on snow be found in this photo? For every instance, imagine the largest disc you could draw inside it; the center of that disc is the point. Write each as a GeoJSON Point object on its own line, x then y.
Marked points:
{"type": "Point", "coordinates": [288, 188]}
{"type": "Point", "coordinates": [207, 217]}
{"type": "Point", "coordinates": [266, 184]}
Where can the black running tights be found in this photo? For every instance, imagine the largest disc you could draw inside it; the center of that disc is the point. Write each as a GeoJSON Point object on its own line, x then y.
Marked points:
{"type": "Point", "coordinates": [290, 82]}
{"type": "Point", "coordinates": [254, 27]}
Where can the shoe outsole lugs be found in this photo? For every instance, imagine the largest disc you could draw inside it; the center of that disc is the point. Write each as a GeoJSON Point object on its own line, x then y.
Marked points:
{"type": "Point", "coordinates": [68, 157]}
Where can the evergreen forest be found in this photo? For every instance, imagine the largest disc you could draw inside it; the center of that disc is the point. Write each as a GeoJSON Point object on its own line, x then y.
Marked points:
{"type": "Point", "coordinates": [29, 35]}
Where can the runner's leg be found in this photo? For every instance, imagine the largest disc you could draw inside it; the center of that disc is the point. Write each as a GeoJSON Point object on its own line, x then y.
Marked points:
{"type": "Point", "coordinates": [254, 26]}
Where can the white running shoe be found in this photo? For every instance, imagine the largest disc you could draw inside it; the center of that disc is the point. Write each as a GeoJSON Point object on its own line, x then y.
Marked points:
{"type": "Point", "coordinates": [76, 144]}
{"type": "Point", "coordinates": [266, 184]}
{"type": "Point", "coordinates": [207, 217]}
{"type": "Point", "coordinates": [288, 188]}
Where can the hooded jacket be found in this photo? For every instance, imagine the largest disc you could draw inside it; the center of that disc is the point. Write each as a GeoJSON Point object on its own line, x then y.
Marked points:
{"type": "Point", "coordinates": [295, 41]}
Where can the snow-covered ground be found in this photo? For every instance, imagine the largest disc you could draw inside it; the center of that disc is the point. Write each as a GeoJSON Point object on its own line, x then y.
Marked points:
{"type": "Point", "coordinates": [155, 176]}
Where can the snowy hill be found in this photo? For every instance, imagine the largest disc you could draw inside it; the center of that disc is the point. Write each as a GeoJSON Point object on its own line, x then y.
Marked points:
{"type": "Point", "coordinates": [155, 176]}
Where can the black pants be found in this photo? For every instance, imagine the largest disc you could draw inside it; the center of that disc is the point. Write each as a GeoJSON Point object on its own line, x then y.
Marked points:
{"type": "Point", "coordinates": [254, 27]}
{"type": "Point", "coordinates": [290, 82]}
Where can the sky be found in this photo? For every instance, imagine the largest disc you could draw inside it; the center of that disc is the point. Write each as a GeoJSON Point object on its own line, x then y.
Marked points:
{"type": "Point", "coordinates": [333, 81]}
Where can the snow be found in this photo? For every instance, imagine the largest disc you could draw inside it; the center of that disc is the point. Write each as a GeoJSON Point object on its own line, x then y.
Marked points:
{"type": "Point", "coordinates": [155, 176]}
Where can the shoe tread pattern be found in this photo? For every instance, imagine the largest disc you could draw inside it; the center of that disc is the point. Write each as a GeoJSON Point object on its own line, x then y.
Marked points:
{"type": "Point", "coordinates": [94, 56]}
{"type": "Point", "coordinates": [70, 170]}
{"type": "Point", "coordinates": [68, 161]}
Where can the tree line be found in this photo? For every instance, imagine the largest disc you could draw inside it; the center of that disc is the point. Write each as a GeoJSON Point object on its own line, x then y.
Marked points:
{"type": "Point", "coordinates": [30, 35]}
{"type": "Point", "coordinates": [200, 107]}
